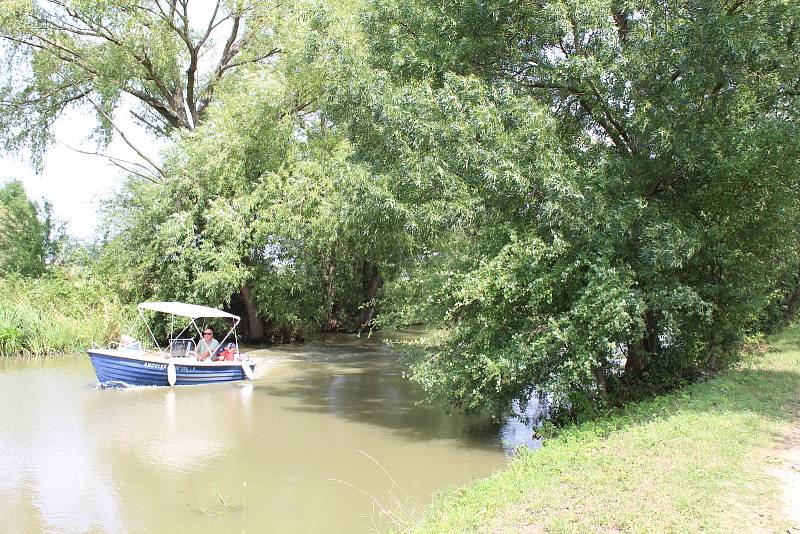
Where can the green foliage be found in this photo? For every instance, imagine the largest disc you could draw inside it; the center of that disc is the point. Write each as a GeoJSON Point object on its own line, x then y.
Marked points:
{"type": "Point", "coordinates": [261, 202]}
{"type": "Point", "coordinates": [689, 461]}
{"type": "Point", "coordinates": [59, 312]}
{"type": "Point", "coordinates": [595, 200]}
{"type": "Point", "coordinates": [168, 59]}
{"type": "Point", "coordinates": [609, 203]}
{"type": "Point", "coordinates": [28, 234]}
{"type": "Point", "coordinates": [298, 234]}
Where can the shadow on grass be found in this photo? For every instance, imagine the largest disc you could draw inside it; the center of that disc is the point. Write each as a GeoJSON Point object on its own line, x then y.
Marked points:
{"type": "Point", "coordinates": [765, 393]}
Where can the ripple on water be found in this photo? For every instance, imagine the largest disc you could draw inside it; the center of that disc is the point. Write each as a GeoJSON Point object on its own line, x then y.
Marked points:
{"type": "Point", "coordinates": [156, 458]}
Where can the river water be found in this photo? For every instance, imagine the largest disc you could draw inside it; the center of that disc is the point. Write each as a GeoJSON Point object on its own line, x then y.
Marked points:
{"type": "Point", "coordinates": [329, 438]}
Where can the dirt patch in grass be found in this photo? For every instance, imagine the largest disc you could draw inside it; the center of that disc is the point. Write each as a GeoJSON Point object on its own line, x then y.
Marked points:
{"type": "Point", "coordinates": [786, 469]}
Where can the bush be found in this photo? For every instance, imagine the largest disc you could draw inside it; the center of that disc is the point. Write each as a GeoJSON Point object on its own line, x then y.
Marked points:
{"type": "Point", "coordinates": [60, 312]}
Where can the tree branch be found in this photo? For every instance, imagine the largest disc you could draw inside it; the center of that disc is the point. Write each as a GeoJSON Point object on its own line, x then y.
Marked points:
{"type": "Point", "coordinates": [125, 137]}
{"type": "Point", "coordinates": [610, 118]}
{"type": "Point", "coordinates": [148, 178]}
{"type": "Point", "coordinates": [735, 6]}
{"type": "Point", "coordinates": [228, 53]}
{"type": "Point", "coordinates": [116, 161]}
{"type": "Point", "coordinates": [166, 112]}
{"type": "Point", "coordinates": [256, 59]}
{"type": "Point", "coordinates": [160, 130]}
{"type": "Point", "coordinates": [101, 31]}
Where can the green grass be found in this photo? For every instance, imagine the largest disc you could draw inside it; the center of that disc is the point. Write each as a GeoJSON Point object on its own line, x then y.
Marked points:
{"type": "Point", "coordinates": [695, 460]}
{"type": "Point", "coordinates": [56, 314]}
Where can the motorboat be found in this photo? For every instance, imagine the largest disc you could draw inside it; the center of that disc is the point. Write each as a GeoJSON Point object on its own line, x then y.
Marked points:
{"type": "Point", "coordinates": [128, 362]}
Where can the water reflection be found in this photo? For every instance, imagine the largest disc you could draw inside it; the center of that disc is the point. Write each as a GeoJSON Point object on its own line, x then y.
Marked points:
{"type": "Point", "coordinates": [363, 381]}
{"type": "Point", "coordinates": [331, 423]}
{"type": "Point", "coordinates": [518, 430]}
{"type": "Point", "coordinates": [46, 458]}
{"type": "Point", "coordinates": [190, 429]}
{"type": "Point", "coordinates": [246, 398]}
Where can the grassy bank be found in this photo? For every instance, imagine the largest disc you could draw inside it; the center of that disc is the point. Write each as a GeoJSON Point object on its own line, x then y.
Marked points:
{"type": "Point", "coordinates": [696, 460]}
{"type": "Point", "coordinates": [57, 313]}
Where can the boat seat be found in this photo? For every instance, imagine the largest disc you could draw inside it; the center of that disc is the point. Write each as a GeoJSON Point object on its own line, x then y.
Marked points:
{"type": "Point", "coordinates": [180, 348]}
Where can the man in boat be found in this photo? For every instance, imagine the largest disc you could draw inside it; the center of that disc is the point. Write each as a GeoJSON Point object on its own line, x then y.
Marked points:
{"type": "Point", "coordinates": [207, 345]}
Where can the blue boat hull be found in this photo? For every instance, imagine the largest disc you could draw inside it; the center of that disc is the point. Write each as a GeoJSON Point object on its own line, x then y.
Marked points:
{"type": "Point", "coordinates": [120, 370]}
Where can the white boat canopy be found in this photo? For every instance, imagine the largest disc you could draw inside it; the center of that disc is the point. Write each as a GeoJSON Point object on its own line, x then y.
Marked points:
{"type": "Point", "coordinates": [193, 311]}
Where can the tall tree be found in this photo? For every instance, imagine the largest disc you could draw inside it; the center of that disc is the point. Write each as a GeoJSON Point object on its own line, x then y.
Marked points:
{"type": "Point", "coordinates": [619, 181]}
{"type": "Point", "coordinates": [167, 56]}
{"type": "Point", "coordinates": [261, 195]}
{"type": "Point", "coordinates": [26, 232]}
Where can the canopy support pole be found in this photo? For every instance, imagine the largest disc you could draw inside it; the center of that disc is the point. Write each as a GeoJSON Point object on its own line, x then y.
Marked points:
{"type": "Point", "coordinates": [152, 335]}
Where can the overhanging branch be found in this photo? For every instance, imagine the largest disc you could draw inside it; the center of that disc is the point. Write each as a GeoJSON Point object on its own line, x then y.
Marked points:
{"type": "Point", "coordinates": [125, 138]}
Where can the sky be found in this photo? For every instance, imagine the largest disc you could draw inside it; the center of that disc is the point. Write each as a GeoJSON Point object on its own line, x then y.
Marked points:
{"type": "Point", "coordinates": [76, 183]}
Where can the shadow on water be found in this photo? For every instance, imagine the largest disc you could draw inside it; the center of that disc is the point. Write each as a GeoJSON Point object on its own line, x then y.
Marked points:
{"type": "Point", "coordinates": [364, 381]}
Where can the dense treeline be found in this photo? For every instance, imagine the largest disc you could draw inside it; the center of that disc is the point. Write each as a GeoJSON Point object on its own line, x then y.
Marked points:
{"type": "Point", "coordinates": [50, 299]}
{"type": "Point", "coordinates": [592, 199]}
{"type": "Point", "coordinates": [621, 180]}
{"type": "Point", "coordinates": [29, 235]}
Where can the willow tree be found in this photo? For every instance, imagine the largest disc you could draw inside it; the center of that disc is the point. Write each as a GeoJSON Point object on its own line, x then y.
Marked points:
{"type": "Point", "coordinates": [159, 61]}
{"type": "Point", "coordinates": [168, 58]}
{"type": "Point", "coordinates": [261, 195]}
{"type": "Point", "coordinates": [619, 183]}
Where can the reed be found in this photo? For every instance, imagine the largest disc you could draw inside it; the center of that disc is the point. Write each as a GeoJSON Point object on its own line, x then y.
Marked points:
{"type": "Point", "coordinates": [58, 313]}
{"type": "Point", "coordinates": [220, 505]}
{"type": "Point", "coordinates": [396, 512]}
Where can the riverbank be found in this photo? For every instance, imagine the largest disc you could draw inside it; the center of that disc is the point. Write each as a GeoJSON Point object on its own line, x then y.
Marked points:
{"type": "Point", "coordinates": [716, 456]}
{"type": "Point", "coordinates": [59, 313]}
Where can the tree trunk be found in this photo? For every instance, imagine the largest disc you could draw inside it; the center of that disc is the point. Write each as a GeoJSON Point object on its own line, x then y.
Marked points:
{"type": "Point", "coordinates": [651, 342]}
{"type": "Point", "coordinates": [792, 302]}
{"type": "Point", "coordinates": [331, 322]}
{"type": "Point", "coordinates": [255, 324]}
{"type": "Point", "coordinates": [634, 366]}
{"type": "Point", "coordinates": [372, 282]}
{"type": "Point", "coordinates": [599, 373]}
{"type": "Point", "coordinates": [636, 363]}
